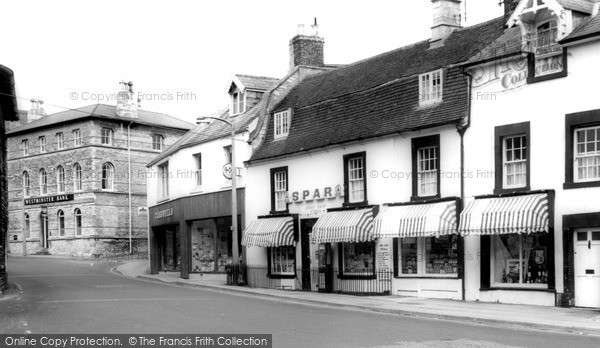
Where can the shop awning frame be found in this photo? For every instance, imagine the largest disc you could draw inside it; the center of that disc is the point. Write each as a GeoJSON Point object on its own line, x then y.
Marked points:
{"type": "Point", "coordinates": [417, 219]}
{"type": "Point", "coordinates": [344, 226]}
{"type": "Point", "coordinates": [524, 213]}
{"type": "Point", "coordinates": [273, 232]}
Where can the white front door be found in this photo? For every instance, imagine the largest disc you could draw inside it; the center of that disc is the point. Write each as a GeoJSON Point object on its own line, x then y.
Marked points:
{"type": "Point", "coordinates": [587, 268]}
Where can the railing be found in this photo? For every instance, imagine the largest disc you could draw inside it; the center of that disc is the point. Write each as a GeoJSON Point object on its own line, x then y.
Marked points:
{"type": "Point", "coordinates": [324, 280]}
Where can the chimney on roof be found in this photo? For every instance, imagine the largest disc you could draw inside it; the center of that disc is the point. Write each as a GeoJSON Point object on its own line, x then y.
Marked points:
{"type": "Point", "coordinates": [37, 111]}
{"type": "Point", "coordinates": [307, 49]}
{"type": "Point", "coordinates": [446, 19]}
{"type": "Point", "coordinates": [509, 7]}
{"type": "Point", "coordinates": [126, 104]}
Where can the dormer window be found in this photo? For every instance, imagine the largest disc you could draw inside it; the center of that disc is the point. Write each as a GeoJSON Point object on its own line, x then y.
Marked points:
{"type": "Point", "coordinates": [430, 87]}
{"type": "Point", "coordinates": [282, 124]}
{"type": "Point", "coordinates": [237, 102]}
{"type": "Point", "coordinates": [546, 37]}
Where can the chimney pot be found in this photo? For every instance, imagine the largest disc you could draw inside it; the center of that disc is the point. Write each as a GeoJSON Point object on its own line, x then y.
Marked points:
{"type": "Point", "coordinates": [446, 19]}
{"type": "Point", "coordinates": [307, 49]}
{"type": "Point", "coordinates": [126, 104]}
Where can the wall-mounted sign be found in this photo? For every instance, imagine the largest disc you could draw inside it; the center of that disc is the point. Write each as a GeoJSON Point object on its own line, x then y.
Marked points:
{"type": "Point", "coordinates": [49, 199]}
{"type": "Point", "coordinates": [508, 73]}
{"type": "Point", "coordinates": [316, 194]}
{"type": "Point", "coordinates": [163, 213]}
{"type": "Point", "coordinates": [228, 169]}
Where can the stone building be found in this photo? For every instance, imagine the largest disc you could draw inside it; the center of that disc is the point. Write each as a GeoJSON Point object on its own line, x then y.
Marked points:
{"type": "Point", "coordinates": [8, 112]}
{"type": "Point", "coordinates": [77, 178]}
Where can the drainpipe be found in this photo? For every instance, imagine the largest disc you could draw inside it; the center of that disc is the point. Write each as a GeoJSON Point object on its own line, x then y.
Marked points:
{"type": "Point", "coordinates": [129, 183]}
{"type": "Point", "coordinates": [462, 129]}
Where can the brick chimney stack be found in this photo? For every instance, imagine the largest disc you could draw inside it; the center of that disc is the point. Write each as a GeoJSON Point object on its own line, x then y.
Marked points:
{"type": "Point", "coordinates": [446, 19]}
{"type": "Point", "coordinates": [126, 104]}
{"type": "Point", "coordinates": [37, 111]}
{"type": "Point", "coordinates": [307, 49]}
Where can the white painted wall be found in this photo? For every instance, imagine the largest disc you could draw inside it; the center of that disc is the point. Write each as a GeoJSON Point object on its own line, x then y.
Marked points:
{"type": "Point", "coordinates": [544, 105]}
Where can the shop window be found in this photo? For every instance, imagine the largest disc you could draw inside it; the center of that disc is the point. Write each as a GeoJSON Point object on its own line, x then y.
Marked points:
{"type": "Point", "coordinates": [77, 177]}
{"type": "Point", "coordinates": [211, 245]}
{"type": "Point", "coordinates": [426, 167]}
{"type": "Point", "coordinates": [279, 189]}
{"type": "Point", "coordinates": [60, 140]}
{"type": "Point", "coordinates": [60, 179]}
{"type": "Point", "coordinates": [76, 137]}
{"type": "Point", "coordinates": [78, 222]}
{"type": "Point", "coordinates": [512, 157]}
{"type": "Point", "coordinates": [107, 136]}
{"type": "Point", "coordinates": [283, 260]}
{"type": "Point", "coordinates": [358, 259]}
{"type": "Point", "coordinates": [428, 256]}
{"type": "Point", "coordinates": [157, 142]}
{"type": "Point", "coordinates": [582, 149]}
{"type": "Point", "coordinates": [163, 180]}
{"type": "Point", "coordinates": [282, 124]}
{"type": "Point", "coordinates": [26, 226]}
{"type": "Point", "coordinates": [355, 183]}
{"type": "Point", "coordinates": [26, 184]}
{"type": "Point", "coordinates": [42, 141]}
{"type": "Point", "coordinates": [43, 182]}
{"type": "Point", "coordinates": [108, 176]}
{"type": "Point", "coordinates": [430, 87]}
{"type": "Point", "coordinates": [25, 147]}
{"type": "Point", "coordinates": [519, 260]}
{"type": "Point", "coordinates": [61, 223]}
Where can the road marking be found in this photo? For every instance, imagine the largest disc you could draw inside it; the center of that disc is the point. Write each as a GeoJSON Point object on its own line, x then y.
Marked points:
{"type": "Point", "coordinates": [125, 300]}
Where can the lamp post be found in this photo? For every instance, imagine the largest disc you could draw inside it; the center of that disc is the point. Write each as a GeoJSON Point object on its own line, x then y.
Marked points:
{"type": "Point", "coordinates": [234, 224]}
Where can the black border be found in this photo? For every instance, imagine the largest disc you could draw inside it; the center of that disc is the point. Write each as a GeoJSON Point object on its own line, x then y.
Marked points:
{"type": "Point", "coordinates": [348, 157]}
{"type": "Point", "coordinates": [573, 121]}
{"type": "Point", "coordinates": [500, 132]}
{"type": "Point", "coordinates": [531, 69]}
{"type": "Point", "coordinates": [272, 185]}
{"type": "Point", "coordinates": [416, 144]}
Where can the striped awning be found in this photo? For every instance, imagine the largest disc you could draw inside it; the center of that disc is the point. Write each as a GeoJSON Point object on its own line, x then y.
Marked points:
{"type": "Point", "coordinates": [504, 215]}
{"type": "Point", "coordinates": [351, 226]}
{"type": "Point", "coordinates": [269, 232]}
{"type": "Point", "coordinates": [416, 220]}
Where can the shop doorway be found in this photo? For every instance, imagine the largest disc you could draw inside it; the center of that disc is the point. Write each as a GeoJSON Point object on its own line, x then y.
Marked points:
{"type": "Point", "coordinates": [169, 249]}
{"type": "Point", "coordinates": [306, 226]}
{"type": "Point", "coordinates": [325, 268]}
{"type": "Point", "coordinates": [587, 268]}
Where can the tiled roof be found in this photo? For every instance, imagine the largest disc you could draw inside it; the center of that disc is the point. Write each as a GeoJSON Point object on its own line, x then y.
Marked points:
{"type": "Point", "coordinates": [261, 83]}
{"type": "Point", "coordinates": [214, 130]}
{"type": "Point", "coordinates": [585, 6]}
{"type": "Point", "coordinates": [587, 29]}
{"type": "Point", "coordinates": [104, 111]}
{"type": "Point", "coordinates": [379, 95]}
{"type": "Point", "coordinates": [510, 43]}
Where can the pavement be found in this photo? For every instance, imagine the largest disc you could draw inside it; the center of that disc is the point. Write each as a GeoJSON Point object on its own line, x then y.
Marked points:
{"type": "Point", "coordinates": [556, 319]}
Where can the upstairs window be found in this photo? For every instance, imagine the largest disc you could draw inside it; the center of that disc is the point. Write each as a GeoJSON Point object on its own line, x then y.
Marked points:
{"type": "Point", "coordinates": [108, 176]}
{"type": "Point", "coordinates": [282, 124]}
{"type": "Point", "coordinates": [427, 171]}
{"type": "Point", "coordinates": [198, 160]}
{"type": "Point", "coordinates": [43, 182]}
{"type": "Point", "coordinates": [25, 147]}
{"type": "Point", "coordinates": [587, 154]}
{"type": "Point", "coordinates": [546, 37]}
{"type": "Point", "coordinates": [107, 136]}
{"type": "Point", "coordinates": [43, 147]}
{"type": "Point", "coordinates": [515, 161]}
{"type": "Point", "coordinates": [355, 178]}
{"type": "Point", "coordinates": [163, 180]}
{"type": "Point", "coordinates": [512, 152]}
{"type": "Point", "coordinates": [26, 184]}
{"type": "Point", "coordinates": [157, 142]}
{"type": "Point", "coordinates": [60, 141]}
{"type": "Point", "coordinates": [237, 102]}
{"type": "Point", "coordinates": [77, 177]}
{"type": "Point", "coordinates": [430, 87]}
{"type": "Point", "coordinates": [60, 179]}
{"type": "Point", "coordinates": [279, 184]}
{"type": "Point", "coordinates": [76, 137]}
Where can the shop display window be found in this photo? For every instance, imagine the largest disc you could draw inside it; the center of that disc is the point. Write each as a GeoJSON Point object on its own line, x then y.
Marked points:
{"type": "Point", "coordinates": [431, 256]}
{"type": "Point", "coordinates": [210, 245]}
{"type": "Point", "coordinates": [358, 258]}
{"type": "Point", "coordinates": [282, 260]}
{"type": "Point", "coordinates": [520, 260]}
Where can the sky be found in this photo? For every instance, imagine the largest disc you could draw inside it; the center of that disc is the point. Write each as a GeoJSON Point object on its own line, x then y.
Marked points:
{"type": "Point", "coordinates": [181, 55]}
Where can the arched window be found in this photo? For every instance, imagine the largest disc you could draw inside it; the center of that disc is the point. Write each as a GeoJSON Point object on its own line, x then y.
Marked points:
{"type": "Point", "coordinates": [26, 184]}
{"type": "Point", "coordinates": [108, 174]}
{"type": "Point", "coordinates": [43, 182]}
{"type": "Point", "coordinates": [61, 223]}
{"type": "Point", "coordinates": [60, 179]}
{"type": "Point", "coordinates": [26, 226]}
{"type": "Point", "coordinates": [77, 222]}
{"type": "Point", "coordinates": [77, 177]}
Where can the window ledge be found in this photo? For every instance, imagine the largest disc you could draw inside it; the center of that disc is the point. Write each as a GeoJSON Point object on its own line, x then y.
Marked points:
{"type": "Point", "coordinates": [500, 191]}
{"type": "Point", "coordinates": [423, 198]}
{"type": "Point", "coordinates": [584, 184]}
{"type": "Point", "coordinates": [444, 277]}
{"type": "Point", "coordinates": [521, 288]}
{"type": "Point", "coordinates": [350, 276]}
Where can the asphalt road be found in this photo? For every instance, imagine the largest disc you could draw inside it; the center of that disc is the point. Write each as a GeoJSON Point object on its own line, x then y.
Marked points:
{"type": "Point", "coordinates": [63, 296]}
